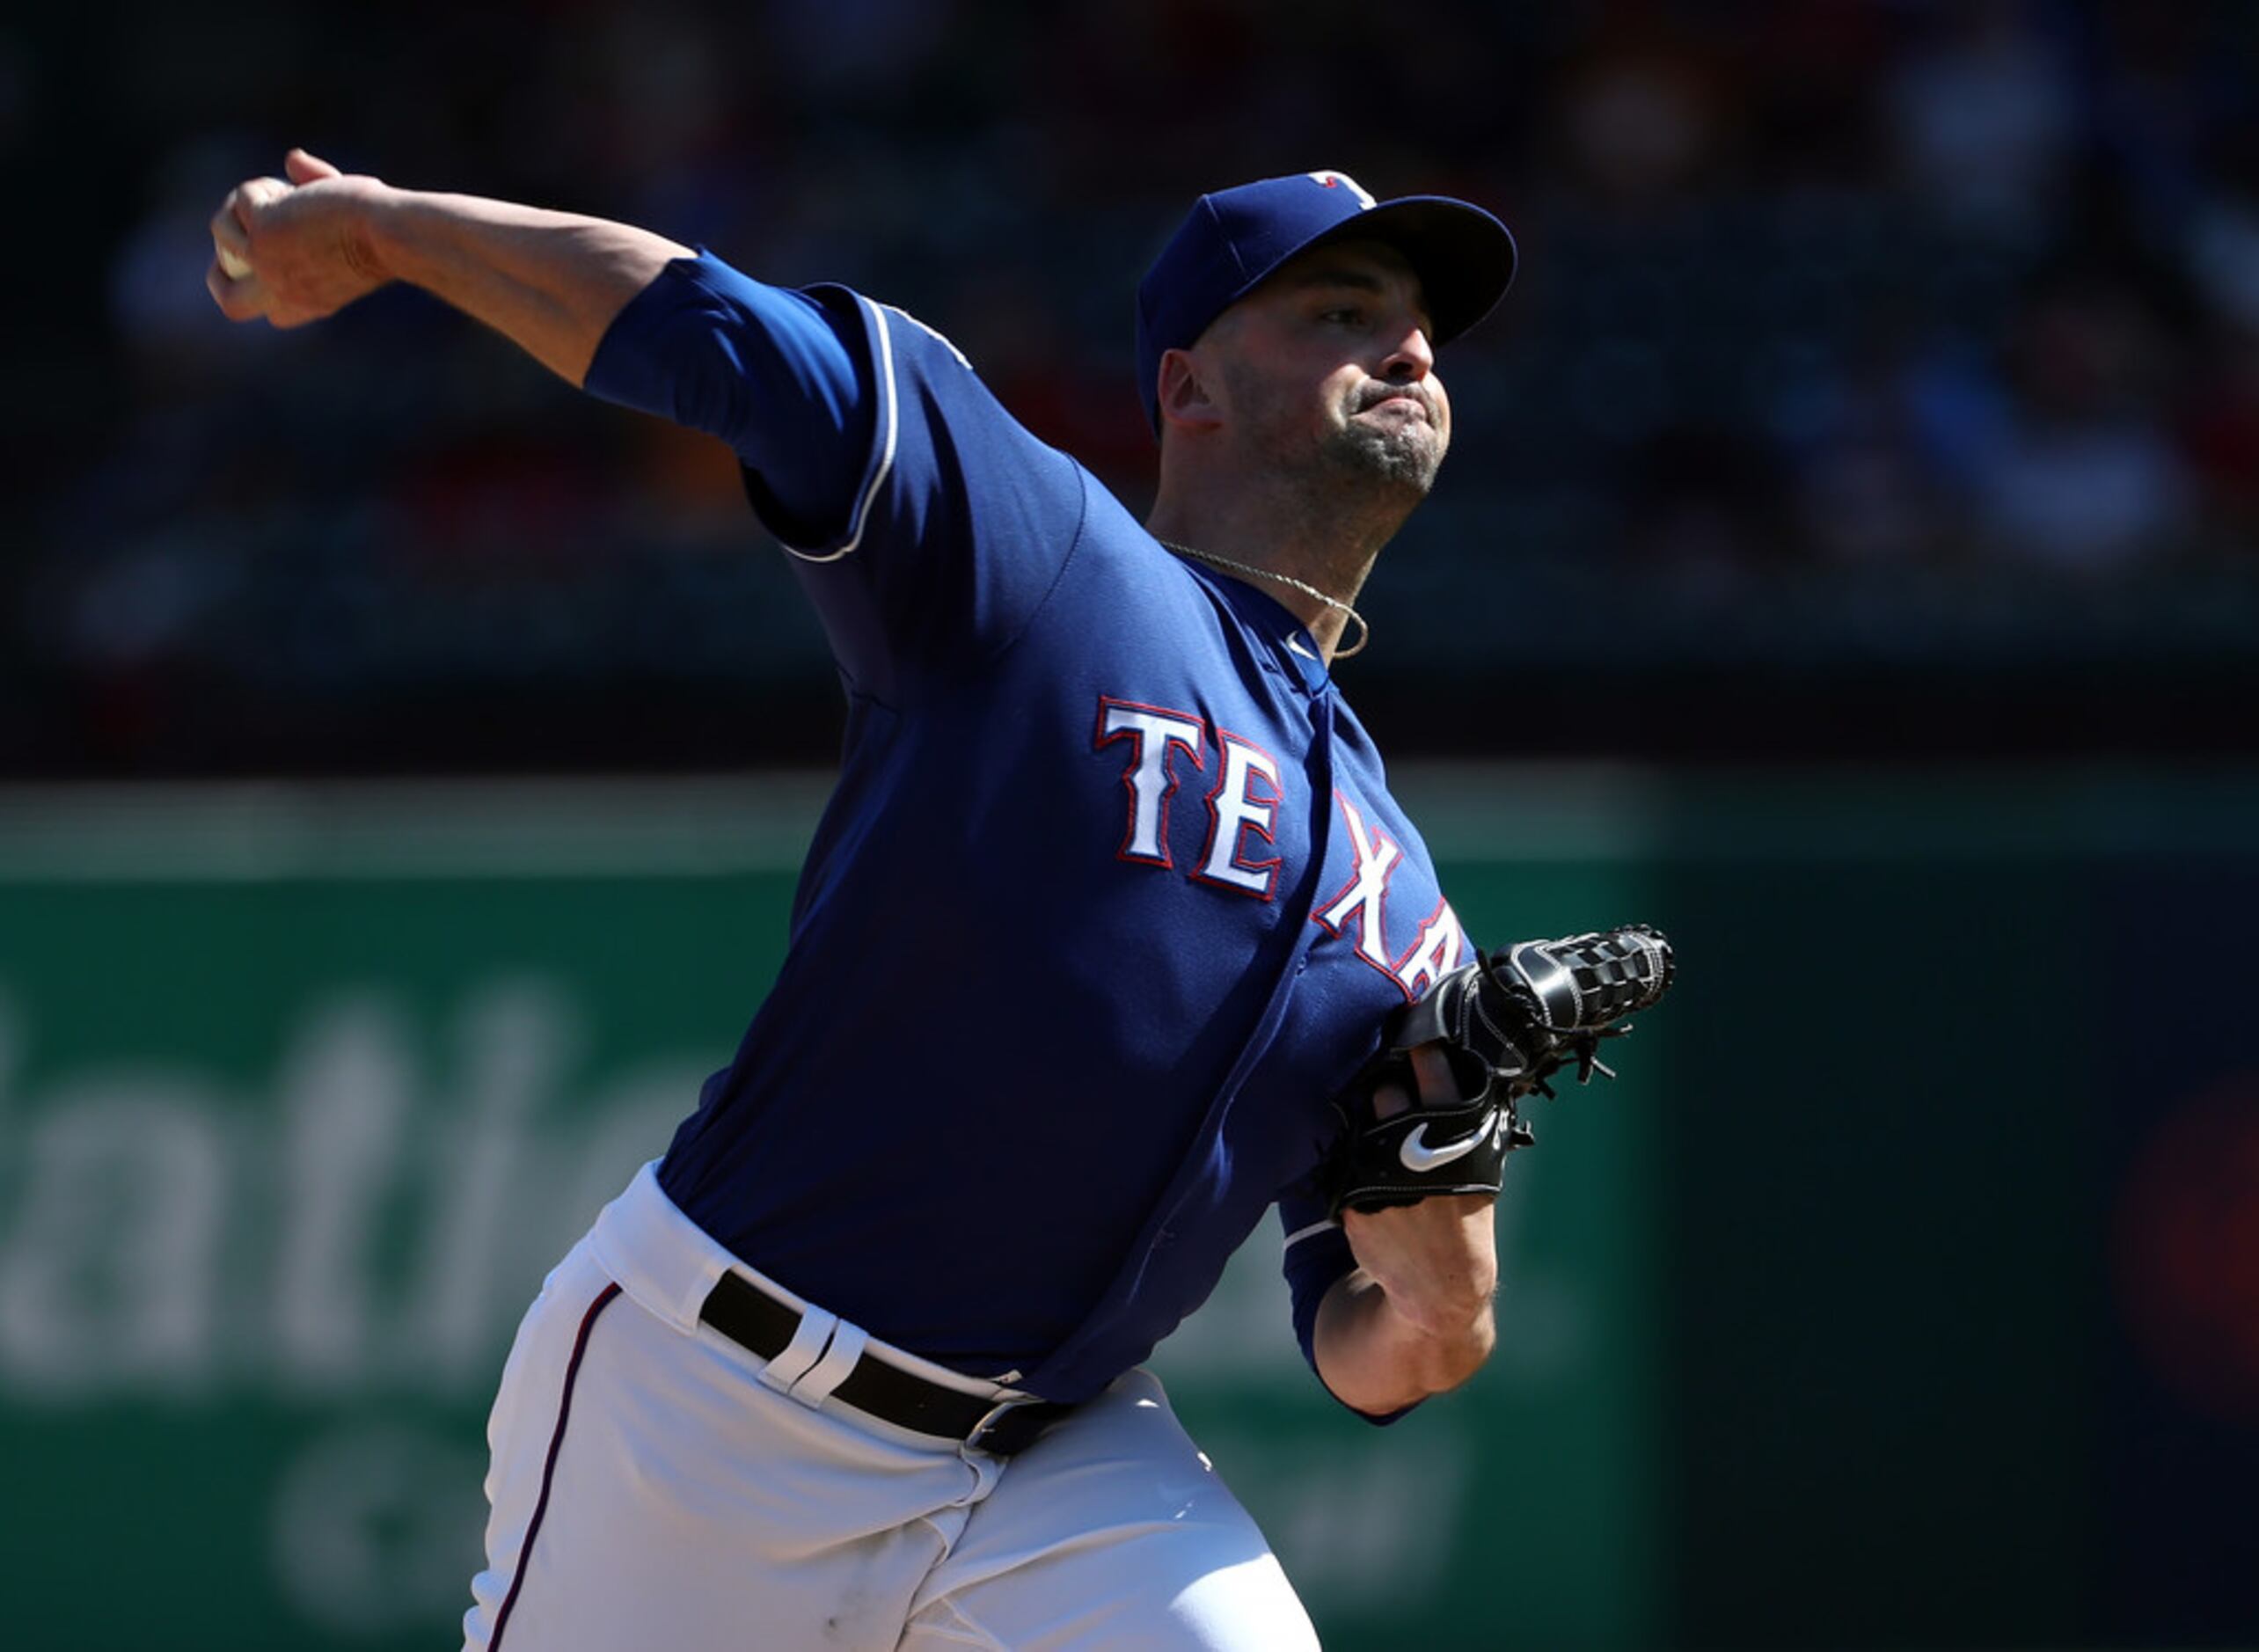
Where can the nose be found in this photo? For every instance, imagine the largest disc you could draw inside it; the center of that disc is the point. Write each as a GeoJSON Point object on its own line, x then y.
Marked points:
{"type": "Point", "coordinates": [1412, 359]}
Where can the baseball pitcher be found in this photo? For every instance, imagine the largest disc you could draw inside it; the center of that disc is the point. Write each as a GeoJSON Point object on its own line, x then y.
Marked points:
{"type": "Point", "coordinates": [1111, 940]}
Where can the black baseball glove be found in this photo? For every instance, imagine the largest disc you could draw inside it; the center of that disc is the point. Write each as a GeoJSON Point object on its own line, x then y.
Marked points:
{"type": "Point", "coordinates": [1507, 1023]}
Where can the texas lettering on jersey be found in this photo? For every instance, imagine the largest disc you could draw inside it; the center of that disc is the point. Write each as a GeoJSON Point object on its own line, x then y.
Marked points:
{"type": "Point", "coordinates": [1242, 802]}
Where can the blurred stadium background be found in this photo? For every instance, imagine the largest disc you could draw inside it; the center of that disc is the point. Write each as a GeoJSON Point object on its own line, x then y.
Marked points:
{"type": "Point", "coordinates": [1847, 561]}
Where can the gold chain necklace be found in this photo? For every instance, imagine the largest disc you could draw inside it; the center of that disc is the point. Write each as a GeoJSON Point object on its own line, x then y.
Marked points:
{"type": "Point", "coordinates": [1365, 632]}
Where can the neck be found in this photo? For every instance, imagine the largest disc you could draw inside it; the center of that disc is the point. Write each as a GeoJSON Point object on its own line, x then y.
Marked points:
{"type": "Point", "coordinates": [1332, 553]}
{"type": "Point", "coordinates": [1333, 606]}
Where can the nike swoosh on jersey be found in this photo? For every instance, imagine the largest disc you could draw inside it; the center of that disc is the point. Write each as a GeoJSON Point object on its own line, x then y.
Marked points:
{"type": "Point", "coordinates": [1418, 1158]}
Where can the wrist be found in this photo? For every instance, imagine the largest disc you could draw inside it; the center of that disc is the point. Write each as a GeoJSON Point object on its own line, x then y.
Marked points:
{"type": "Point", "coordinates": [1445, 1314]}
{"type": "Point", "coordinates": [382, 238]}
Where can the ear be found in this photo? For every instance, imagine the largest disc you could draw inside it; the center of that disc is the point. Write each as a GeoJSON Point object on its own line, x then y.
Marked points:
{"type": "Point", "coordinates": [1185, 396]}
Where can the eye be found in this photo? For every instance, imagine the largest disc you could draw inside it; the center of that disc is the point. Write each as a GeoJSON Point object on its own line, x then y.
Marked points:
{"type": "Point", "coordinates": [1346, 315]}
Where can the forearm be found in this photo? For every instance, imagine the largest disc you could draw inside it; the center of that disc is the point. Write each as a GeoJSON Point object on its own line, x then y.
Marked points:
{"type": "Point", "coordinates": [551, 283]}
{"type": "Point", "coordinates": [1414, 1318]}
{"type": "Point", "coordinates": [1378, 1358]}
{"type": "Point", "coordinates": [719, 352]}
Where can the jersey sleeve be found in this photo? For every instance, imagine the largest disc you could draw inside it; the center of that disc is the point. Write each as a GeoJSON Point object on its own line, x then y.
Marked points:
{"type": "Point", "coordinates": [767, 369]}
{"type": "Point", "coordinates": [926, 525]}
{"type": "Point", "coordinates": [1317, 1256]}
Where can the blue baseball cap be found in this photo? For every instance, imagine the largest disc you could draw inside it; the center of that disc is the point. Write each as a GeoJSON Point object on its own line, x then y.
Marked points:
{"type": "Point", "coordinates": [1232, 240]}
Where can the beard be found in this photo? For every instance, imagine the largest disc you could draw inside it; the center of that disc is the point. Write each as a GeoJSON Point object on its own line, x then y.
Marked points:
{"type": "Point", "coordinates": [1357, 463]}
{"type": "Point", "coordinates": [1402, 455]}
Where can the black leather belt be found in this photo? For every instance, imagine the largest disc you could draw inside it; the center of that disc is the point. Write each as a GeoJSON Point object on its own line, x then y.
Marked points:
{"type": "Point", "coordinates": [756, 1321]}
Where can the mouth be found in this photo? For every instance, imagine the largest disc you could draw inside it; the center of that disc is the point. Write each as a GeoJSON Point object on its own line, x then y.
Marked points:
{"type": "Point", "coordinates": [1401, 400]}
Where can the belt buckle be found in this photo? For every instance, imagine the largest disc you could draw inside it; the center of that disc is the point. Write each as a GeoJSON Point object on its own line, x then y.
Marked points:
{"type": "Point", "coordinates": [994, 1418]}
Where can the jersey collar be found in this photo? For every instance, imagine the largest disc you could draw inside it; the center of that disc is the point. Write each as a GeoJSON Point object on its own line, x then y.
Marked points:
{"type": "Point", "coordinates": [1292, 646]}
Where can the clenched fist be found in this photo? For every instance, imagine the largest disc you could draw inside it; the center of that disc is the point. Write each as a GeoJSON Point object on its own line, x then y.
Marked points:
{"type": "Point", "coordinates": [305, 243]}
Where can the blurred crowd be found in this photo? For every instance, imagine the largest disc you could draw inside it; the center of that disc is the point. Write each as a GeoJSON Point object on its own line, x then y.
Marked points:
{"type": "Point", "coordinates": [1900, 341]}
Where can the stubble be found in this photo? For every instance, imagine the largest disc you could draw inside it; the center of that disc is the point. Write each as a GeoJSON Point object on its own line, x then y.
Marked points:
{"type": "Point", "coordinates": [1386, 462]}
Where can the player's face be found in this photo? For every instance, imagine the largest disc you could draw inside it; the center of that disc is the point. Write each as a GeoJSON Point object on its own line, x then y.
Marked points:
{"type": "Point", "coordinates": [1328, 365]}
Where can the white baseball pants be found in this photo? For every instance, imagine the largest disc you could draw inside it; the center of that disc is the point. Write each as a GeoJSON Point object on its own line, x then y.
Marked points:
{"type": "Point", "coordinates": [655, 1485]}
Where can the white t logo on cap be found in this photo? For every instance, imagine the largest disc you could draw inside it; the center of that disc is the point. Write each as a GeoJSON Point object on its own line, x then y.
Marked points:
{"type": "Point", "coordinates": [1342, 180]}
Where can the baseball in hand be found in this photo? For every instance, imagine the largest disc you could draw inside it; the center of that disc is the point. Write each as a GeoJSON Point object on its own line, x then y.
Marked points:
{"type": "Point", "coordinates": [233, 264]}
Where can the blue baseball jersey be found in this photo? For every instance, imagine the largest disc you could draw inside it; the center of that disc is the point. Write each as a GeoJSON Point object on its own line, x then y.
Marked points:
{"type": "Point", "coordinates": [1111, 898]}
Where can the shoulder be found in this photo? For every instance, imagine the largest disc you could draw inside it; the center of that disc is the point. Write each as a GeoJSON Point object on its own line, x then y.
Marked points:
{"type": "Point", "coordinates": [925, 383]}
{"type": "Point", "coordinates": [898, 339]}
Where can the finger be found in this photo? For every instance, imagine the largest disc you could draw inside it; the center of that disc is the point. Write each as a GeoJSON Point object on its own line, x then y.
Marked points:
{"type": "Point", "coordinates": [228, 229]}
{"type": "Point", "coordinates": [1389, 1099]}
{"type": "Point", "coordinates": [230, 246]}
{"type": "Point", "coordinates": [304, 168]}
{"type": "Point", "coordinates": [1432, 1074]}
{"type": "Point", "coordinates": [244, 300]}
{"type": "Point", "coordinates": [249, 199]}
{"type": "Point", "coordinates": [1432, 1070]}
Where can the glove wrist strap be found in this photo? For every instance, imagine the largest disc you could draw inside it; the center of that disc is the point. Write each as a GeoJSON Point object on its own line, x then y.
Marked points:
{"type": "Point", "coordinates": [1427, 1150]}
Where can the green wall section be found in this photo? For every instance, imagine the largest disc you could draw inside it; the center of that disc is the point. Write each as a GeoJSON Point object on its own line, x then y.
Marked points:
{"type": "Point", "coordinates": [280, 1162]}
{"type": "Point", "coordinates": [1878, 1272]}
{"type": "Point", "coordinates": [1801, 1322]}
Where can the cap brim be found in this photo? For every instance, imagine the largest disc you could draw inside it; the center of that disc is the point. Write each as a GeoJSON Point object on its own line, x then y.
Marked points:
{"type": "Point", "coordinates": [1463, 257]}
